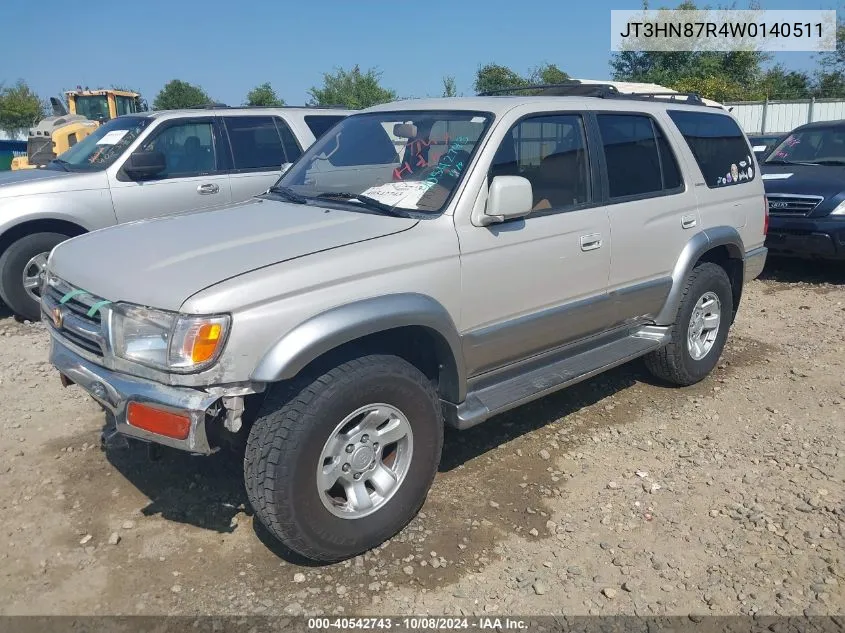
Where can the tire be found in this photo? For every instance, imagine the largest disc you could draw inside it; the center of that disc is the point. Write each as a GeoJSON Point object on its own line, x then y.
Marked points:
{"type": "Point", "coordinates": [677, 362]}
{"type": "Point", "coordinates": [290, 438]}
{"type": "Point", "coordinates": [12, 264]}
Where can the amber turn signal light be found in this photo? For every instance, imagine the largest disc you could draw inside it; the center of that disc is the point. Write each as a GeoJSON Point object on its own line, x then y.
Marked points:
{"type": "Point", "coordinates": [158, 421]}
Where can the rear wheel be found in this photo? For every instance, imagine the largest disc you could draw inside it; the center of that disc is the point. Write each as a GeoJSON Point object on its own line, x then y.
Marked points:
{"type": "Point", "coordinates": [341, 460]}
{"type": "Point", "coordinates": [700, 329]}
{"type": "Point", "coordinates": [22, 268]}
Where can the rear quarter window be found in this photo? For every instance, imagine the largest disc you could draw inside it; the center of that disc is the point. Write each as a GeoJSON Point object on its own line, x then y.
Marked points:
{"type": "Point", "coordinates": [322, 123]}
{"type": "Point", "coordinates": [718, 145]}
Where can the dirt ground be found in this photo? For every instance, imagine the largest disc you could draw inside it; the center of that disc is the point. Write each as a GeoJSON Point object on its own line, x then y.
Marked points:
{"type": "Point", "coordinates": [617, 496]}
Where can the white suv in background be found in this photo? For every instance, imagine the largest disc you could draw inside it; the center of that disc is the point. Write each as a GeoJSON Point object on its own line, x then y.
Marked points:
{"type": "Point", "coordinates": [139, 166]}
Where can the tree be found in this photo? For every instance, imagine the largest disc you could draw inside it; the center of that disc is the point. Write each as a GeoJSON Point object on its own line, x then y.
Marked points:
{"type": "Point", "coordinates": [834, 61]}
{"type": "Point", "coordinates": [20, 108]}
{"type": "Point", "coordinates": [779, 83]}
{"type": "Point", "coordinates": [263, 95]}
{"type": "Point", "coordinates": [829, 85]}
{"type": "Point", "coordinates": [180, 94]}
{"type": "Point", "coordinates": [495, 77]}
{"type": "Point", "coordinates": [352, 89]}
{"type": "Point", "coordinates": [449, 89]}
{"type": "Point", "coordinates": [716, 74]}
{"type": "Point", "coordinates": [547, 74]}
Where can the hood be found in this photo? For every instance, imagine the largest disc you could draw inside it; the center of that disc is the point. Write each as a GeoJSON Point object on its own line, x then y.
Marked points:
{"type": "Point", "coordinates": [809, 180]}
{"type": "Point", "coordinates": [24, 182]}
{"type": "Point", "coordinates": [162, 262]}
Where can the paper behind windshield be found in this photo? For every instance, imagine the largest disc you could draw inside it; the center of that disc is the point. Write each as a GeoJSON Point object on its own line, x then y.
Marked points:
{"type": "Point", "coordinates": [399, 194]}
{"type": "Point", "coordinates": [112, 137]}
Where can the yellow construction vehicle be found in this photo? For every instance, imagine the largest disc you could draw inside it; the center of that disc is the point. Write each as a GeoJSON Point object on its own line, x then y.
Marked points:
{"type": "Point", "coordinates": [86, 110]}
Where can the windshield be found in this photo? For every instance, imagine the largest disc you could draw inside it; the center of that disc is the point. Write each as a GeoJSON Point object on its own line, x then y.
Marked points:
{"type": "Point", "coordinates": [95, 108]}
{"type": "Point", "coordinates": [817, 146]}
{"type": "Point", "coordinates": [408, 160]}
{"type": "Point", "coordinates": [101, 148]}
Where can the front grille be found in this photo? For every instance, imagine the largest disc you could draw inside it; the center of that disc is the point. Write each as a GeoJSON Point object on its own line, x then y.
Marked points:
{"type": "Point", "coordinates": [39, 150]}
{"type": "Point", "coordinates": [78, 327]}
{"type": "Point", "coordinates": [792, 205]}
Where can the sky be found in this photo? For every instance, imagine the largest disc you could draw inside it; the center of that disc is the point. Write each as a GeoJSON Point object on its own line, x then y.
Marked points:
{"type": "Point", "coordinates": [229, 47]}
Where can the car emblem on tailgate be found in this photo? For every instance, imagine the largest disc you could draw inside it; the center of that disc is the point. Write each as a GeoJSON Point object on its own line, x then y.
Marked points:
{"type": "Point", "coordinates": [58, 317]}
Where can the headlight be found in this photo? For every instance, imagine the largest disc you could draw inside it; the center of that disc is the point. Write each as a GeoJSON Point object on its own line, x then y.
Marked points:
{"type": "Point", "coordinates": [167, 340]}
{"type": "Point", "coordinates": [840, 209]}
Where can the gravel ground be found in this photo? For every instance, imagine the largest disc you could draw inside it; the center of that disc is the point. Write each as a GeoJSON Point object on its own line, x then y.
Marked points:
{"type": "Point", "coordinates": [617, 496]}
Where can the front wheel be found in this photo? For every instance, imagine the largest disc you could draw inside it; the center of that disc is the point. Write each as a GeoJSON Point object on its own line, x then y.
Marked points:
{"type": "Point", "coordinates": [339, 461]}
{"type": "Point", "coordinates": [700, 329]}
{"type": "Point", "coordinates": [22, 268]}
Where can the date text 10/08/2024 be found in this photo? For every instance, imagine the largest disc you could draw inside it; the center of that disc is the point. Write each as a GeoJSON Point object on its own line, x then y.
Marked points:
{"type": "Point", "coordinates": [418, 624]}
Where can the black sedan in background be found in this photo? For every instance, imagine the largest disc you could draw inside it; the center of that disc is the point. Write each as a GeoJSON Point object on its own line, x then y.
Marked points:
{"type": "Point", "coordinates": [804, 176]}
{"type": "Point", "coordinates": [761, 144]}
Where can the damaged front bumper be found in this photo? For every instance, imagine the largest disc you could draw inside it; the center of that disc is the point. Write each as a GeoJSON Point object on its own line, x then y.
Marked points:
{"type": "Point", "coordinates": [115, 391]}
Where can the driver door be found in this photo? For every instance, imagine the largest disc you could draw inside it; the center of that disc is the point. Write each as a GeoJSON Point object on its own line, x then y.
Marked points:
{"type": "Point", "coordinates": [196, 176]}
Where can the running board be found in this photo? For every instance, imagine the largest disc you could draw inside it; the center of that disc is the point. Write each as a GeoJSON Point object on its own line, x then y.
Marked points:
{"type": "Point", "coordinates": [492, 399]}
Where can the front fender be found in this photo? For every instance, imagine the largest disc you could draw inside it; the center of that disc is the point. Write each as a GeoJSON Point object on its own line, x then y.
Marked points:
{"type": "Point", "coordinates": [702, 242]}
{"type": "Point", "coordinates": [344, 324]}
{"type": "Point", "coordinates": [90, 210]}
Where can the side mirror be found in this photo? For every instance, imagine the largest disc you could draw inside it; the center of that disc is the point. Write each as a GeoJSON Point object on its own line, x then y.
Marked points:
{"type": "Point", "coordinates": [509, 198]}
{"type": "Point", "coordinates": [285, 167]}
{"type": "Point", "coordinates": [141, 165]}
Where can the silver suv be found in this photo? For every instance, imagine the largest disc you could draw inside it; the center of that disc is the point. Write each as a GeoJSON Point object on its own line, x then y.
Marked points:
{"type": "Point", "coordinates": [426, 262]}
{"type": "Point", "coordinates": [139, 166]}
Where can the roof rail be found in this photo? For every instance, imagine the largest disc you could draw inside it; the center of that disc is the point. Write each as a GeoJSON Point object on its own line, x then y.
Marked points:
{"type": "Point", "coordinates": [576, 88]}
{"type": "Point", "coordinates": [217, 106]}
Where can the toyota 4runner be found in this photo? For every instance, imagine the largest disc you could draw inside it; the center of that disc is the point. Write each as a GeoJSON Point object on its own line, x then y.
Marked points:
{"type": "Point", "coordinates": [425, 262]}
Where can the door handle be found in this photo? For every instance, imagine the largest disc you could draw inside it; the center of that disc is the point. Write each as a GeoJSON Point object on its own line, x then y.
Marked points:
{"type": "Point", "coordinates": [591, 242]}
{"type": "Point", "coordinates": [688, 221]}
{"type": "Point", "coordinates": [207, 189]}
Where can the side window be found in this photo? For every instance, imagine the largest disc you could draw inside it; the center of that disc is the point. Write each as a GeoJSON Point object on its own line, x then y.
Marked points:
{"type": "Point", "coordinates": [188, 148]}
{"type": "Point", "coordinates": [551, 152]}
{"type": "Point", "coordinates": [638, 157]}
{"type": "Point", "coordinates": [718, 145]}
{"type": "Point", "coordinates": [255, 141]}
{"type": "Point", "coordinates": [292, 149]}
{"type": "Point", "coordinates": [320, 124]}
{"type": "Point", "coordinates": [125, 105]}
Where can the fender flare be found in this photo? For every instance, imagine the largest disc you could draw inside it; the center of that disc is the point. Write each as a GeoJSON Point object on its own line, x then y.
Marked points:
{"type": "Point", "coordinates": [700, 244]}
{"type": "Point", "coordinates": [344, 324]}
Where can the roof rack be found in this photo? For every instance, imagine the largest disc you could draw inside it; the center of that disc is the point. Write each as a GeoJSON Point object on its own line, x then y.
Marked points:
{"type": "Point", "coordinates": [576, 88]}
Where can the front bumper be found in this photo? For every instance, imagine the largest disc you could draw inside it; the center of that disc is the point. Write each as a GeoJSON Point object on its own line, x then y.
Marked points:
{"type": "Point", "coordinates": [114, 391]}
{"type": "Point", "coordinates": [806, 238]}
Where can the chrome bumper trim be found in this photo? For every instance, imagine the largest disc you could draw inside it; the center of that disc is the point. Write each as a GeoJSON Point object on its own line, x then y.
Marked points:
{"type": "Point", "coordinates": [755, 261]}
{"type": "Point", "coordinates": [114, 392]}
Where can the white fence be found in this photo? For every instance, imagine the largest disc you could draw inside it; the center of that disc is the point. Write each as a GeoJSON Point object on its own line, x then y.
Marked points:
{"type": "Point", "coordinates": [763, 117]}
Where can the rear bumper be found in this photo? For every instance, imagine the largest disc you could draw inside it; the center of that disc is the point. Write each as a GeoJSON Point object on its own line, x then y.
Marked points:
{"type": "Point", "coordinates": [115, 391]}
{"type": "Point", "coordinates": [807, 238]}
{"type": "Point", "coordinates": [755, 260]}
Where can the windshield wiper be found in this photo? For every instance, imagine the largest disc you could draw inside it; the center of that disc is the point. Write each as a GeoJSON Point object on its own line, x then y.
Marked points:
{"type": "Point", "coordinates": [288, 194]}
{"type": "Point", "coordinates": [367, 201]}
{"type": "Point", "coordinates": [830, 162]}
{"type": "Point", "coordinates": [780, 161]}
{"type": "Point", "coordinates": [61, 163]}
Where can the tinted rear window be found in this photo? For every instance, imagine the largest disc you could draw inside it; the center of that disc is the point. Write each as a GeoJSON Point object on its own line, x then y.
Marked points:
{"type": "Point", "coordinates": [718, 145]}
{"type": "Point", "coordinates": [320, 124]}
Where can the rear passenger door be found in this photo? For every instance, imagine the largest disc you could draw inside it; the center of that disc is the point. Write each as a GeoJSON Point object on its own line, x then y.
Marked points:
{"type": "Point", "coordinates": [652, 211]}
{"type": "Point", "coordinates": [196, 174]}
{"type": "Point", "coordinates": [260, 145]}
